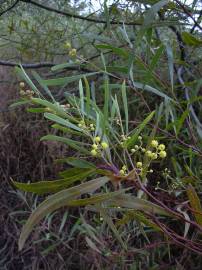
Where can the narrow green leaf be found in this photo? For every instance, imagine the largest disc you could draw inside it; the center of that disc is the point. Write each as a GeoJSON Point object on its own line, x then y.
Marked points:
{"type": "Point", "coordinates": [106, 101]}
{"type": "Point", "coordinates": [170, 63]}
{"type": "Point", "coordinates": [151, 13]}
{"type": "Point", "coordinates": [76, 162]}
{"type": "Point", "coordinates": [88, 101]}
{"type": "Point", "coordinates": [21, 72]}
{"type": "Point", "coordinates": [56, 201]}
{"type": "Point", "coordinates": [36, 110]}
{"type": "Point", "coordinates": [151, 90]}
{"type": "Point", "coordinates": [73, 144]}
{"type": "Point", "coordinates": [43, 187]}
{"type": "Point", "coordinates": [119, 51]}
{"type": "Point", "coordinates": [132, 202]}
{"type": "Point", "coordinates": [125, 104]}
{"type": "Point", "coordinates": [191, 40]}
{"type": "Point", "coordinates": [139, 129]}
{"type": "Point", "coordinates": [39, 80]}
{"type": "Point", "coordinates": [195, 204]}
{"type": "Point", "coordinates": [66, 80]}
{"type": "Point", "coordinates": [53, 106]}
{"type": "Point", "coordinates": [63, 66]}
{"type": "Point", "coordinates": [19, 103]}
{"type": "Point", "coordinates": [81, 95]}
{"type": "Point", "coordinates": [156, 57]}
{"type": "Point", "coordinates": [61, 121]}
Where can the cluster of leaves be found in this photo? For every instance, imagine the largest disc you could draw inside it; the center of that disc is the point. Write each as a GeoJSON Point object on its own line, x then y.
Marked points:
{"type": "Point", "coordinates": [115, 158]}
{"type": "Point", "coordinates": [141, 87]}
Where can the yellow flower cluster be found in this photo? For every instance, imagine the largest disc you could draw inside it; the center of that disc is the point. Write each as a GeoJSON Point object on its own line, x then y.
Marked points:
{"type": "Point", "coordinates": [138, 147]}
{"type": "Point", "coordinates": [82, 124]}
{"type": "Point", "coordinates": [25, 93]}
{"type": "Point", "coordinates": [97, 146]}
{"type": "Point", "coordinates": [160, 150]}
{"type": "Point", "coordinates": [123, 170]}
{"type": "Point", "coordinates": [72, 51]}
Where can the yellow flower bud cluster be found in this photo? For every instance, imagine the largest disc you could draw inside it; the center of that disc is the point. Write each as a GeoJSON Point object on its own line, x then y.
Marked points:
{"type": "Point", "coordinates": [98, 146]}
{"type": "Point", "coordinates": [92, 128]}
{"type": "Point", "coordinates": [138, 147]}
{"type": "Point", "coordinates": [26, 93]}
{"type": "Point", "coordinates": [83, 125]}
{"type": "Point", "coordinates": [123, 170]}
{"type": "Point", "coordinates": [67, 45]}
{"type": "Point", "coordinates": [159, 150]}
{"type": "Point", "coordinates": [22, 85]}
{"type": "Point", "coordinates": [72, 52]}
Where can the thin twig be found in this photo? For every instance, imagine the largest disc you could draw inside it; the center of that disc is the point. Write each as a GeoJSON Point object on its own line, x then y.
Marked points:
{"type": "Point", "coordinates": [11, 7]}
{"type": "Point", "coordinates": [76, 16]}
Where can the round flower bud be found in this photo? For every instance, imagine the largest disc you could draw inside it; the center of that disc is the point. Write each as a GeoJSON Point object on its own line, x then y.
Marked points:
{"type": "Point", "coordinates": [124, 167]}
{"type": "Point", "coordinates": [133, 150]}
{"type": "Point", "coordinates": [91, 125]}
{"type": "Point", "coordinates": [67, 45]}
{"type": "Point", "coordinates": [94, 146]}
{"type": "Point", "coordinates": [161, 147]}
{"type": "Point", "coordinates": [140, 138]}
{"type": "Point", "coordinates": [149, 153]}
{"type": "Point", "coordinates": [151, 171]}
{"type": "Point", "coordinates": [143, 150]}
{"type": "Point", "coordinates": [22, 92]}
{"type": "Point", "coordinates": [72, 53]}
{"type": "Point", "coordinates": [136, 147]}
{"type": "Point", "coordinates": [97, 139]}
{"type": "Point", "coordinates": [92, 128]}
{"type": "Point", "coordinates": [162, 154]}
{"type": "Point", "coordinates": [22, 84]}
{"type": "Point", "coordinates": [139, 164]}
{"type": "Point", "coordinates": [122, 172]}
{"type": "Point", "coordinates": [154, 156]}
{"type": "Point", "coordinates": [93, 152]}
{"type": "Point", "coordinates": [154, 143]}
{"type": "Point", "coordinates": [104, 145]}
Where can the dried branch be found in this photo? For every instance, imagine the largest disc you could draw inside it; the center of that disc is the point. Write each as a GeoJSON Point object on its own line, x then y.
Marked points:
{"type": "Point", "coordinates": [9, 8]}
{"type": "Point", "coordinates": [40, 65]}
{"type": "Point", "coordinates": [76, 16]}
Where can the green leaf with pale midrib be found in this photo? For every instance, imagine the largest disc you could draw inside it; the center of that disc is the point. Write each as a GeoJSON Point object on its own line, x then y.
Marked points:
{"type": "Point", "coordinates": [61, 121]}
{"type": "Point", "coordinates": [132, 202]}
{"type": "Point", "coordinates": [43, 187]}
{"type": "Point", "coordinates": [76, 162]}
{"type": "Point", "coordinates": [73, 144]}
{"type": "Point", "coordinates": [56, 201]}
{"type": "Point", "coordinates": [66, 80]}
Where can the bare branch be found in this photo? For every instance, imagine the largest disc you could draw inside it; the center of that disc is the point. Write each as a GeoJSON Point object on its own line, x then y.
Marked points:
{"type": "Point", "coordinates": [11, 7]}
{"type": "Point", "coordinates": [68, 14]}
{"type": "Point", "coordinates": [188, 13]}
{"type": "Point", "coordinates": [40, 65]}
{"type": "Point", "coordinates": [34, 65]}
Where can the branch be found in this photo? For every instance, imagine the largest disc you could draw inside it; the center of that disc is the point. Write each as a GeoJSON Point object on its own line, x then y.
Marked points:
{"type": "Point", "coordinates": [68, 14]}
{"type": "Point", "coordinates": [40, 65]}
{"type": "Point", "coordinates": [11, 7]}
{"type": "Point", "coordinates": [189, 14]}
{"type": "Point", "coordinates": [34, 65]}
